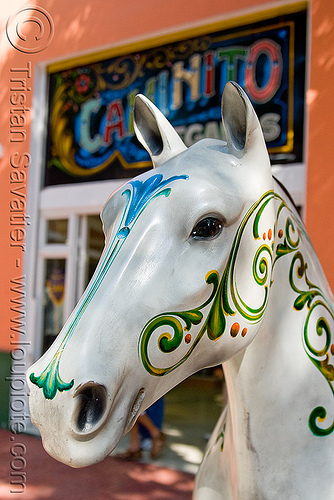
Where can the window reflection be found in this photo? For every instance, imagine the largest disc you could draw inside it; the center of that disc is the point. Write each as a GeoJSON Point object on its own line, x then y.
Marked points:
{"type": "Point", "coordinates": [57, 231]}
{"type": "Point", "coordinates": [95, 244]}
{"type": "Point", "coordinates": [54, 290]}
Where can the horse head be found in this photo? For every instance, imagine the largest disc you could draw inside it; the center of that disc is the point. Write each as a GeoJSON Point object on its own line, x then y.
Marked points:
{"type": "Point", "coordinates": [182, 283]}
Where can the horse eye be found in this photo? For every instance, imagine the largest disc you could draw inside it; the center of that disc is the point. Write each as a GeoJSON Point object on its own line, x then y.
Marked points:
{"type": "Point", "coordinates": [207, 228]}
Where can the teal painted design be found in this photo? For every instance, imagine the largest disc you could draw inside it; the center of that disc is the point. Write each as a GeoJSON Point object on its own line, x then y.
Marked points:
{"type": "Point", "coordinates": [139, 194]}
{"type": "Point", "coordinates": [49, 380]}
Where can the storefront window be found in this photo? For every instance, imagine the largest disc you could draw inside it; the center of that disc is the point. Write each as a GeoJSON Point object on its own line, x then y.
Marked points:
{"type": "Point", "coordinates": [95, 244]}
{"type": "Point", "coordinates": [54, 288]}
{"type": "Point", "coordinates": [57, 231]}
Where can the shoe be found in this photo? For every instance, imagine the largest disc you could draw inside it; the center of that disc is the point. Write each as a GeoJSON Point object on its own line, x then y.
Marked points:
{"type": "Point", "coordinates": [129, 455]}
{"type": "Point", "coordinates": [157, 445]}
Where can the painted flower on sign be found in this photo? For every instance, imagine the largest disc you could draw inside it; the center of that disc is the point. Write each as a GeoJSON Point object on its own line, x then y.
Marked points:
{"type": "Point", "coordinates": [82, 84]}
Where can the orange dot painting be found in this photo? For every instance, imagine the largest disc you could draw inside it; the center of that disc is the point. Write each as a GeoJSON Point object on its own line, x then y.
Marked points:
{"type": "Point", "coordinates": [280, 233]}
{"type": "Point", "coordinates": [187, 338]}
{"type": "Point", "coordinates": [244, 331]}
{"type": "Point", "coordinates": [264, 236]}
{"type": "Point", "coordinates": [270, 234]}
{"type": "Point", "coordinates": [234, 329]}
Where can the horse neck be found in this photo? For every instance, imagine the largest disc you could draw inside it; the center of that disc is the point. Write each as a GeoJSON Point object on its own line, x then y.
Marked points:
{"type": "Point", "coordinates": [274, 385]}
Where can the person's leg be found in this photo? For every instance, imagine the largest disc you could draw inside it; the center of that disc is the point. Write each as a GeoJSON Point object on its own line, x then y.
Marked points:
{"type": "Point", "coordinates": [134, 451]}
{"type": "Point", "coordinates": [145, 420]}
{"type": "Point", "coordinates": [158, 437]}
{"type": "Point", "coordinates": [134, 438]}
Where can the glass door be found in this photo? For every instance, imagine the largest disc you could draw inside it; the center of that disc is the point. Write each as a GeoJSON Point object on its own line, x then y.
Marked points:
{"type": "Point", "coordinates": [69, 251]}
{"type": "Point", "coordinates": [53, 303]}
{"type": "Point", "coordinates": [90, 248]}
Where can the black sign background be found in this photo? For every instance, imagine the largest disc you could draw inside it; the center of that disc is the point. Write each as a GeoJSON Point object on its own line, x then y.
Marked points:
{"type": "Point", "coordinates": [90, 129]}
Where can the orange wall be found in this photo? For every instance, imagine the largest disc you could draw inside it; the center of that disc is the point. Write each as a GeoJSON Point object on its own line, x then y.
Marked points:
{"type": "Point", "coordinates": [83, 26]}
{"type": "Point", "coordinates": [320, 181]}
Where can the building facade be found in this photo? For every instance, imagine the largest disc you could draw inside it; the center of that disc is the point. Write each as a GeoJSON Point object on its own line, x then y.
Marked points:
{"type": "Point", "coordinates": [70, 72]}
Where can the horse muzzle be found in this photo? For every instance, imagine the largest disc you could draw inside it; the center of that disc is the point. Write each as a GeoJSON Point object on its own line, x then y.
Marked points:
{"type": "Point", "coordinates": [82, 426]}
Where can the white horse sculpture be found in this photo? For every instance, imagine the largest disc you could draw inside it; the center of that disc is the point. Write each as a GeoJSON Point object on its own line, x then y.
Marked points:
{"type": "Point", "coordinates": [206, 261]}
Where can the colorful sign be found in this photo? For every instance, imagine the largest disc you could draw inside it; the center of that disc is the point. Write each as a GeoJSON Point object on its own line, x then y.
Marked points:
{"type": "Point", "coordinates": [91, 134]}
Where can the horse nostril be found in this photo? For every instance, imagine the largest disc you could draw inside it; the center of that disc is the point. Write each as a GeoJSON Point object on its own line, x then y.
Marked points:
{"type": "Point", "coordinates": [91, 406]}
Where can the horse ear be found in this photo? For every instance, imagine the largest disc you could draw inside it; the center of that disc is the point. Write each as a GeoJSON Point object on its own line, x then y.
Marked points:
{"type": "Point", "coordinates": [241, 128]}
{"type": "Point", "coordinates": [155, 132]}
